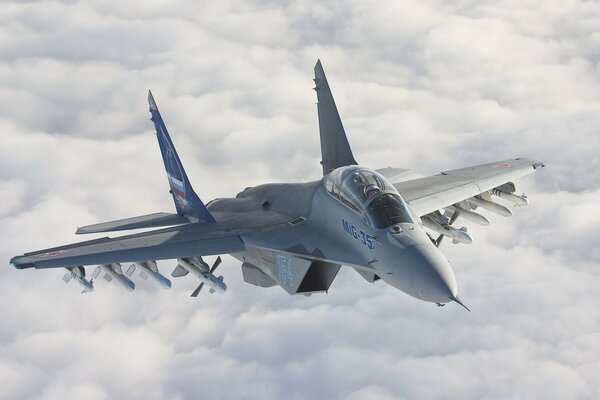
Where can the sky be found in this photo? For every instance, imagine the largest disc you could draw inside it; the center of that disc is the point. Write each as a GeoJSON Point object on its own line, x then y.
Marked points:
{"type": "Point", "coordinates": [426, 85]}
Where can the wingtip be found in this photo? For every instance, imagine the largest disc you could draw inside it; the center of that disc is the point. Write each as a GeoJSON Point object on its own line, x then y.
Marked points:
{"type": "Point", "coordinates": [538, 164]}
{"type": "Point", "coordinates": [21, 262]}
{"type": "Point", "coordinates": [151, 101]}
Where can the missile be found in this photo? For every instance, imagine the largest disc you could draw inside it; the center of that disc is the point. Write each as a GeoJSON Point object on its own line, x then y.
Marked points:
{"type": "Point", "coordinates": [457, 235]}
{"type": "Point", "coordinates": [149, 268]}
{"type": "Point", "coordinates": [78, 273]}
{"type": "Point", "coordinates": [197, 267]}
{"type": "Point", "coordinates": [490, 206]}
{"type": "Point", "coordinates": [470, 215]}
{"type": "Point", "coordinates": [113, 271]}
{"type": "Point", "coordinates": [516, 200]}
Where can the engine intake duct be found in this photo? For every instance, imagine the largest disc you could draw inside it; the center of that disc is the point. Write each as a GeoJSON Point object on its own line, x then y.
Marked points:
{"type": "Point", "coordinates": [319, 277]}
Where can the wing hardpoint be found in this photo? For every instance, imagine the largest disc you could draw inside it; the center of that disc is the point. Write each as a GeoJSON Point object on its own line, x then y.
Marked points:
{"type": "Point", "coordinates": [335, 149]}
{"type": "Point", "coordinates": [426, 195]}
{"type": "Point", "coordinates": [186, 200]}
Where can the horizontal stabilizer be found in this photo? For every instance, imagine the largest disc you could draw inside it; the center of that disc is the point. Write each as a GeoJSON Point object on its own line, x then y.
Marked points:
{"type": "Point", "coordinates": [155, 220]}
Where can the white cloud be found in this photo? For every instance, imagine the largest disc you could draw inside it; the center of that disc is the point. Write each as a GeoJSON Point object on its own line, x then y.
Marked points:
{"type": "Point", "coordinates": [425, 85]}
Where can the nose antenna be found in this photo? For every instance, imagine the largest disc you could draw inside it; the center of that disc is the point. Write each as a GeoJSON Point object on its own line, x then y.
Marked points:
{"type": "Point", "coordinates": [456, 299]}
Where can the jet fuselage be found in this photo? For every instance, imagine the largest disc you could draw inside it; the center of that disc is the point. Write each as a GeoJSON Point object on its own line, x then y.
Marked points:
{"type": "Point", "coordinates": [401, 254]}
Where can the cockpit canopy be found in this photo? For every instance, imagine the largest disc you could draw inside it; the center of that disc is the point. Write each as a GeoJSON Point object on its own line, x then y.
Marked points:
{"type": "Point", "coordinates": [368, 193]}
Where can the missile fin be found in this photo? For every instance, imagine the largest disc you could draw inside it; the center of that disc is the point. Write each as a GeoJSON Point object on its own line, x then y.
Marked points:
{"type": "Point", "coordinates": [68, 276]}
{"type": "Point", "coordinates": [96, 273]}
{"type": "Point", "coordinates": [179, 271]}
{"type": "Point", "coordinates": [130, 270]}
{"type": "Point", "coordinates": [198, 289]}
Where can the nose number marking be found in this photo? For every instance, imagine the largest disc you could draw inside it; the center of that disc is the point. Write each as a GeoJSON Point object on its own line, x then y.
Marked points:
{"type": "Point", "coordinates": [358, 234]}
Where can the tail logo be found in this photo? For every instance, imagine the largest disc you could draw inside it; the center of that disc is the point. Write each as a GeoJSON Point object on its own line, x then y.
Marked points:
{"type": "Point", "coordinates": [174, 172]}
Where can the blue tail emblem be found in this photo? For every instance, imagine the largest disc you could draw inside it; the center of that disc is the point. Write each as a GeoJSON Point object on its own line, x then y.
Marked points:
{"type": "Point", "coordinates": [186, 200]}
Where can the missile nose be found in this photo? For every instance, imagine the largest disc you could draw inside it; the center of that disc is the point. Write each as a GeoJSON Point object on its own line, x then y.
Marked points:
{"type": "Point", "coordinates": [434, 279]}
{"type": "Point", "coordinates": [129, 285]}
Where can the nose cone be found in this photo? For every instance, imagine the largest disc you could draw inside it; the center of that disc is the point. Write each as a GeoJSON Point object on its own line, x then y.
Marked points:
{"type": "Point", "coordinates": [434, 279]}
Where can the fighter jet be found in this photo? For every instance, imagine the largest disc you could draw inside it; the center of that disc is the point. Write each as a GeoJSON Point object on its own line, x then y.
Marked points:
{"type": "Point", "coordinates": [298, 235]}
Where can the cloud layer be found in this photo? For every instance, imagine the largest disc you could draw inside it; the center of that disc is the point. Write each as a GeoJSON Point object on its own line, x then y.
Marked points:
{"type": "Point", "coordinates": [424, 85]}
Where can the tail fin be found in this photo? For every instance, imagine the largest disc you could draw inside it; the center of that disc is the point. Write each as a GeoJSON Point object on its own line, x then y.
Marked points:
{"type": "Point", "coordinates": [335, 148]}
{"type": "Point", "coordinates": [186, 200]}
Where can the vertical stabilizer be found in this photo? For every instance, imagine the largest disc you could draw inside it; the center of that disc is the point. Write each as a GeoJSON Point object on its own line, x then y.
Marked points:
{"type": "Point", "coordinates": [335, 149]}
{"type": "Point", "coordinates": [186, 200]}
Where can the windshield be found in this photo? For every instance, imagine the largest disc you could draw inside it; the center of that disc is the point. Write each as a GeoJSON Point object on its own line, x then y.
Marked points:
{"type": "Point", "coordinates": [357, 187]}
{"type": "Point", "coordinates": [386, 210]}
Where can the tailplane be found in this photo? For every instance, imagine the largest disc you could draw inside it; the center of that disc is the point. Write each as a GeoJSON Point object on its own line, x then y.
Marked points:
{"type": "Point", "coordinates": [187, 202]}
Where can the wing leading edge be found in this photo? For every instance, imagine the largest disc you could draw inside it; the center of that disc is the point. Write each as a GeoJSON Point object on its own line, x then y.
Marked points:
{"type": "Point", "coordinates": [429, 194]}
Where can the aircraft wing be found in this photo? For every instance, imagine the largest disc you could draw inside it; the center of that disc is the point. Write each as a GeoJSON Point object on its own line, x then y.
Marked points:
{"type": "Point", "coordinates": [272, 231]}
{"type": "Point", "coordinates": [198, 239]}
{"type": "Point", "coordinates": [426, 195]}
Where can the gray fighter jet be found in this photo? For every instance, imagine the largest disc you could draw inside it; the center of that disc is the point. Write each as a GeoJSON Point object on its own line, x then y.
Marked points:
{"type": "Point", "coordinates": [298, 235]}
